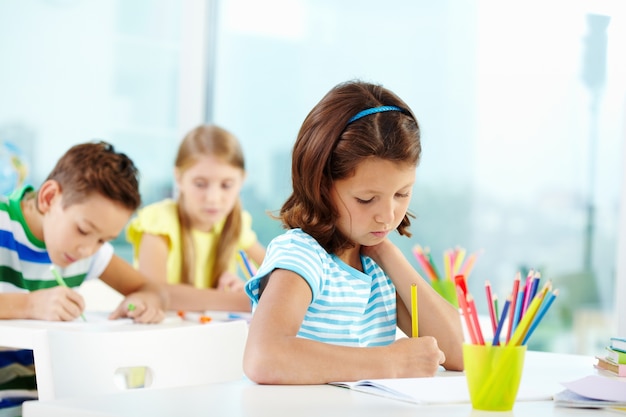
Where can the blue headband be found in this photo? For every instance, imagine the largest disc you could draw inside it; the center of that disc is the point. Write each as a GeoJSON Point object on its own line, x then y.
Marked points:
{"type": "Point", "coordinates": [373, 110]}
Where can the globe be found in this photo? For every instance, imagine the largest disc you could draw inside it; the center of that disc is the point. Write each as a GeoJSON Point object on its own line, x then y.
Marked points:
{"type": "Point", "coordinates": [13, 167]}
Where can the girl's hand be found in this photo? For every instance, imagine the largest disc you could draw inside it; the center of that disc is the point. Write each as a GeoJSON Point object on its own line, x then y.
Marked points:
{"type": "Point", "coordinates": [141, 307]}
{"type": "Point", "coordinates": [55, 304]}
{"type": "Point", "coordinates": [415, 357]}
{"type": "Point", "coordinates": [230, 282]}
{"type": "Point", "coordinates": [380, 252]}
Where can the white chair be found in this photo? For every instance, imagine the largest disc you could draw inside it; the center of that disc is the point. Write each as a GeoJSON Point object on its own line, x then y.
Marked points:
{"type": "Point", "coordinates": [80, 362]}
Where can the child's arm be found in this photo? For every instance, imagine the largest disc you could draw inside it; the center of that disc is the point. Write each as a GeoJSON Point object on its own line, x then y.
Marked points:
{"type": "Point", "coordinates": [152, 257]}
{"type": "Point", "coordinates": [274, 355]}
{"type": "Point", "coordinates": [55, 304]}
{"type": "Point", "coordinates": [188, 298]}
{"type": "Point", "coordinates": [148, 300]}
{"type": "Point", "coordinates": [437, 317]}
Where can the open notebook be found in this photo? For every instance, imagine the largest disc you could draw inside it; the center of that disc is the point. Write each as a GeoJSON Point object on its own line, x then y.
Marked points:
{"type": "Point", "coordinates": [434, 390]}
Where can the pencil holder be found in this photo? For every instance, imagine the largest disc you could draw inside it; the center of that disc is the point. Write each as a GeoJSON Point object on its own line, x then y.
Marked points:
{"type": "Point", "coordinates": [493, 375]}
{"type": "Point", "coordinates": [447, 290]}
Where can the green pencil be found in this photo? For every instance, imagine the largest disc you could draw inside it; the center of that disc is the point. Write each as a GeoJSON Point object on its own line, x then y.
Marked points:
{"type": "Point", "coordinates": [62, 283]}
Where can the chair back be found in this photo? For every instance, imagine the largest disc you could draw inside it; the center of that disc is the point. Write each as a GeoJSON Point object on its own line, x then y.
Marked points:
{"type": "Point", "coordinates": [80, 362]}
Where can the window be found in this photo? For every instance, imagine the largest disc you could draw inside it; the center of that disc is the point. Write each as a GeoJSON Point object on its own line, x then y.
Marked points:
{"type": "Point", "coordinates": [522, 112]}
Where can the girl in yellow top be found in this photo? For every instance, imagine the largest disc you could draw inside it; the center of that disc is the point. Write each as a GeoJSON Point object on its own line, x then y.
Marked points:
{"type": "Point", "coordinates": [192, 242]}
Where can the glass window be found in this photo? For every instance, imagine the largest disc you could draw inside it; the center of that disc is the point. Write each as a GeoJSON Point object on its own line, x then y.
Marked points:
{"type": "Point", "coordinates": [521, 108]}
{"type": "Point", "coordinates": [74, 71]}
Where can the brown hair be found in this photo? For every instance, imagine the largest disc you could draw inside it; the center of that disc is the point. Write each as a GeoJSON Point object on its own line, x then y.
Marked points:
{"type": "Point", "coordinates": [95, 167]}
{"type": "Point", "coordinates": [214, 141]}
{"type": "Point", "coordinates": [329, 148]}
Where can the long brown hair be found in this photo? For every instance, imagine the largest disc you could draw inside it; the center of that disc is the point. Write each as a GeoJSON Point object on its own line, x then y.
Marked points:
{"type": "Point", "coordinates": [217, 142]}
{"type": "Point", "coordinates": [329, 147]}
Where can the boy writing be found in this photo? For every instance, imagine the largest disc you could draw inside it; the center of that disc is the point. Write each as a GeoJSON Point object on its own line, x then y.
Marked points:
{"type": "Point", "coordinates": [66, 227]}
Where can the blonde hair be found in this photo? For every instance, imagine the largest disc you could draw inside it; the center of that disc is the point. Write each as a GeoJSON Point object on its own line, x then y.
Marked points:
{"type": "Point", "coordinates": [209, 140]}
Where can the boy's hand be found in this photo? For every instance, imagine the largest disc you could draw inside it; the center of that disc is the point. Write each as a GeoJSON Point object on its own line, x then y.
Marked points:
{"type": "Point", "coordinates": [141, 307]}
{"type": "Point", "coordinates": [55, 304]}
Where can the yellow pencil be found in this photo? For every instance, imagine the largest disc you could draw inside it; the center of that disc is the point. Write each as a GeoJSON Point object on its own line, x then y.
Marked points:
{"type": "Point", "coordinates": [525, 322]}
{"type": "Point", "coordinates": [414, 325]}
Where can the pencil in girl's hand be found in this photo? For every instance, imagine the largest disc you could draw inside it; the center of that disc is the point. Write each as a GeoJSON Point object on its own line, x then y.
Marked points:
{"type": "Point", "coordinates": [62, 283]}
{"type": "Point", "coordinates": [414, 314]}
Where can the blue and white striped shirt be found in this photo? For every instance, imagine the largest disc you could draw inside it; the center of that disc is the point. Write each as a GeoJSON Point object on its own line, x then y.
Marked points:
{"type": "Point", "coordinates": [348, 307]}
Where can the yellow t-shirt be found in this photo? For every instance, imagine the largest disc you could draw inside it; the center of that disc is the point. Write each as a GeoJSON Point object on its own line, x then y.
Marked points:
{"type": "Point", "coordinates": [161, 218]}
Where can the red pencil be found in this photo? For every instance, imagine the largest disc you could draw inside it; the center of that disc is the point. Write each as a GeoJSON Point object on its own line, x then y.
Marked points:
{"type": "Point", "coordinates": [471, 305]}
{"type": "Point", "coordinates": [492, 312]}
{"type": "Point", "coordinates": [465, 313]}
{"type": "Point", "coordinates": [516, 282]}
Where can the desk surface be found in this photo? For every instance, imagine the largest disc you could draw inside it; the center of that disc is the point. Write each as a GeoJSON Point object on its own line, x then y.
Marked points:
{"type": "Point", "coordinates": [24, 334]}
{"type": "Point", "coordinates": [244, 398]}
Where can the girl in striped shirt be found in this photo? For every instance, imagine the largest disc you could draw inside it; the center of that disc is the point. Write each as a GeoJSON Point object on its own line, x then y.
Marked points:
{"type": "Point", "coordinates": [333, 288]}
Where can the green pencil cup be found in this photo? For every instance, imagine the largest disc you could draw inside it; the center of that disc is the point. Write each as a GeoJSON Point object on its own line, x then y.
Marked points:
{"type": "Point", "coordinates": [493, 375]}
{"type": "Point", "coordinates": [447, 290]}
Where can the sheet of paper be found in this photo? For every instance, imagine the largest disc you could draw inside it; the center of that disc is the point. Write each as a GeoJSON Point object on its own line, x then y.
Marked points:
{"type": "Point", "coordinates": [599, 387]}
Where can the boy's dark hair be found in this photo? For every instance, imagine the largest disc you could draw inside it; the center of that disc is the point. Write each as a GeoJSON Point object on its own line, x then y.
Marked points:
{"type": "Point", "coordinates": [95, 167]}
{"type": "Point", "coordinates": [329, 147]}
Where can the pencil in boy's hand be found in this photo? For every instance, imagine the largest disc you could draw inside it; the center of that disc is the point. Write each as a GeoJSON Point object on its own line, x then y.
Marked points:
{"type": "Point", "coordinates": [62, 283]}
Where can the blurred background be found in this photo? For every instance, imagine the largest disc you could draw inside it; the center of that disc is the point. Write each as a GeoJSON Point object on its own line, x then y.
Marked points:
{"type": "Point", "coordinates": [522, 108]}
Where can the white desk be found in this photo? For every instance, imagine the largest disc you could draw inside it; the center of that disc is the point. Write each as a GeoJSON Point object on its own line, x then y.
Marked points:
{"type": "Point", "coordinates": [34, 335]}
{"type": "Point", "coordinates": [244, 398]}
{"type": "Point", "coordinates": [25, 334]}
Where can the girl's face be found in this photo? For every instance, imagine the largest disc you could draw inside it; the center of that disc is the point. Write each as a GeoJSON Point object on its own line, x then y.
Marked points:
{"type": "Point", "coordinates": [210, 189]}
{"type": "Point", "coordinates": [374, 200]}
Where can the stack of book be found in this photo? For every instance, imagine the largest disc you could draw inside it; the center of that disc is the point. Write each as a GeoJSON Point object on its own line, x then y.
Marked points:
{"type": "Point", "coordinates": [614, 361]}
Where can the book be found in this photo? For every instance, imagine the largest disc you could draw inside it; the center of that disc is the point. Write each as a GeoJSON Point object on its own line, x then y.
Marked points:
{"type": "Point", "coordinates": [442, 389]}
{"type": "Point", "coordinates": [618, 343]}
{"type": "Point", "coordinates": [615, 356]}
{"type": "Point", "coordinates": [433, 390]}
{"type": "Point", "coordinates": [607, 365]}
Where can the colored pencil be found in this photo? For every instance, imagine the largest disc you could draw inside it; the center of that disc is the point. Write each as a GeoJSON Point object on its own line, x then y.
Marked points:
{"type": "Point", "coordinates": [527, 288]}
{"type": "Point", "coordinates": [505, 309]}
{"type": "Point", "coordinates": [524, 324]}
{"type": "Point", "coordinates": [458, 260]}
{"type": "Point", "coordinates": [471, 306]}
{"type": "Point", "coordinates": [518, 309]}
{"type": "Point", "coordinates": [429, 258]}
{"type": "Point", "coordinates": [516, 282]}
{"type": "Point", "coordinates": [247, 267]}
{"type": "Point", "coordinates": [492, 312]}
{"type": "Point", "coordinates": [465, 313]}
{"type": "Point", "coordinates": [545, 305]}
{"type": "Point", "coordinates": [414, 313]}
